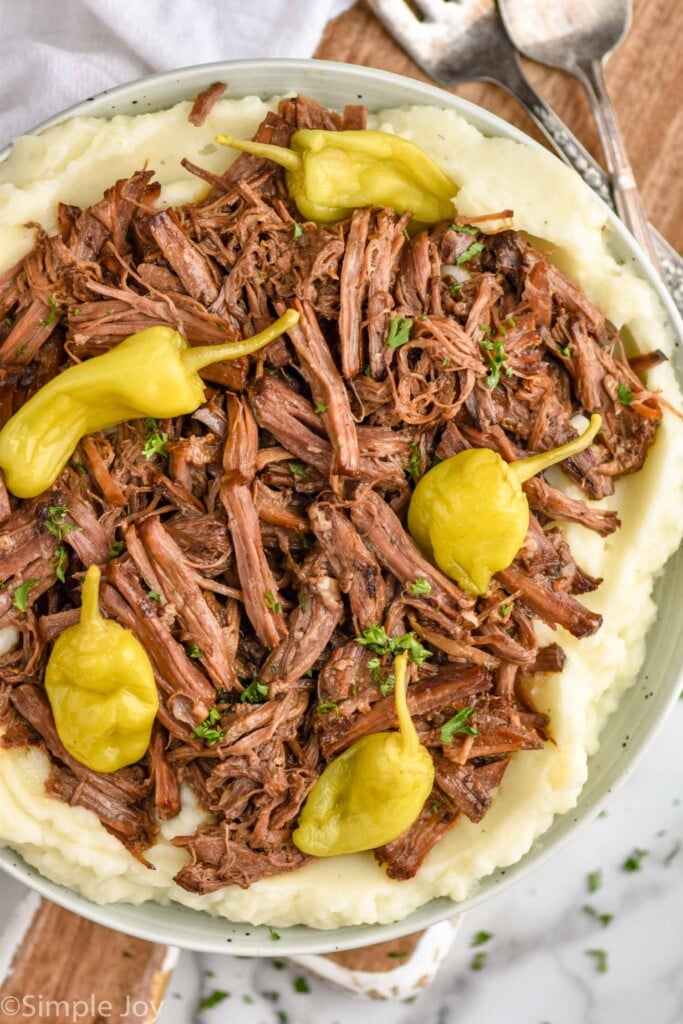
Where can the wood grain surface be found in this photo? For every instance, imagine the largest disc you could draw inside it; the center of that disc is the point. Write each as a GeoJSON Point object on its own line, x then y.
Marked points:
{"type": "Point", "coordinates": [645, 78]}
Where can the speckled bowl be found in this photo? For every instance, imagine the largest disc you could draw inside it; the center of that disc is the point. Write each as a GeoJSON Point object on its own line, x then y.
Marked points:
{"type": "Point", "coordinates": [636, 718]}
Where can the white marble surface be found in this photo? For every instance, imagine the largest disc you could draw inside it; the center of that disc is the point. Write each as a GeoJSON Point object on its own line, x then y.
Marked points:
{"type": "Point", "coordinates": [537, 970]}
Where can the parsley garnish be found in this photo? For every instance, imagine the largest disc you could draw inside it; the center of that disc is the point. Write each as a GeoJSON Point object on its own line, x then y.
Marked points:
{"type": "Point", "coordinates": [481, 938]}
{"type": "Point", "coordinates": [296, 469]}
{"type": "Point", "coordinates": [465, 229]}
{"type": "Point", "coordinates": [216, 997]}
{"type": "Point", "coordinates": [193, 650]}
{"type": "Point", "coordinates": [624, 394]}
{"type": "Point", "coordinates": [320, 408]}
{"type": "Point", "coordinates": [282, 1017]}
{"type": "Point", "coordinates": [20, 595]}
{"type": "Point", "coordinates": [594, 880]}
{"type": "Point", "coordinates": [398, 954]}
{"type": "Point", "coordinates": [505, 609]}
{"type": "Point", "coordinates": [420, 586]}
{"type": "Point", "coordinates": [56, 521]}
{"type": "Point", "coordinates": [386, 686]}
{"type": "Point", "coordinates": [470, 252]}
{"type": "Point", "coordinates": [478, 961]}
{"type": "Point", "coordinates": [205, 731]}
{"type": "Point", "coordinates": [327, 706]}
{"type": "Point", "coordinates": [54, 313]}
{"type": "Point", "coordinates": [375, 637]}
{"type": "Point", "coordinates": [414, 462]}
{"type": "Point", "coordinates": [456, 724]}
{"type": "Point", "coordinates": [60, 563]}
{"type": "Point", "coordinates": [297, 230]}
{"type": "Point", "coordinates": [116, 549]}
{"type": "Point", "coordinates": [301, 985]}
{"type": "Point", "coordinates": [399, 331]}
{"type": "Point", "coordinates": [155, 440]}
{"type": "Point", "coordinates": [154, 595]}
{"type": "Point", "coordinates": [600, 957]}
{"type": "Point", "coordinates": [274, 935]}
{"type": "Point", "coordinates": [271, 604]}
{"type": "Point", "coordinates": [455, 288]}
{"type": "Point", "coordinates": [496, 356]}
{"type": "Point", "coordinates": [604, 919]}
{"type": "Point", "coordinates": [302, 601]}
{"type": "Point", "coordinates": [565, 350]}
{"type": "Point", "coordinates": [255, 693]}
{"type": "Point", "coordinates": [634, 862]}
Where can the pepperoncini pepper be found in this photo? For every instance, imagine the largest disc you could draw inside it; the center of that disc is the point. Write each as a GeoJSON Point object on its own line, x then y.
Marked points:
{"type": "Point", "coordinates": [330, 174]}
{"type": "Point", "coordinates": [100, 684]}
{"type": "Point", "coordinates": [151, 373]}
{"type": "Point", "coordinates": [372, 792]}
{"type": "Point", "coordinates": [470, 515]}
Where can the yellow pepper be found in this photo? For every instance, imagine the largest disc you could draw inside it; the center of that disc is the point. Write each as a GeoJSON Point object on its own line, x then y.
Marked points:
{"type": "Point", "coordinates": [470, 515]}
{"type": "Point", "coordinates": [330, 174]}
{"type": "Point", "coordinates": [100, 684]}
{"type": "Point", "coordinates": [372, 792]}
{"type": "Point", "coordinates": [151, 373]}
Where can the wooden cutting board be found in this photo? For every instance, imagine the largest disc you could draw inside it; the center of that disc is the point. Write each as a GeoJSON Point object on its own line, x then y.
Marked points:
{"type": "Point", "coordinates": [647, 86]}
{"type": "Point", "coordinates": [644, 77]}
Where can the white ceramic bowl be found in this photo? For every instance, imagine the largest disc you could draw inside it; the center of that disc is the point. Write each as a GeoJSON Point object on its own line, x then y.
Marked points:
{"type": "Point", "coordinates": [628, 730]}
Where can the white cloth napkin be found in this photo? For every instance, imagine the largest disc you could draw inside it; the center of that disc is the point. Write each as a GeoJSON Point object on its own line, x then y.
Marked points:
{"type": "Point", "coordinates": [56, 52]}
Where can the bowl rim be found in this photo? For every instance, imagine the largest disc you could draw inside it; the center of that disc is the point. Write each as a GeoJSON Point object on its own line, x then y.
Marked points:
{"type": "Point", "coordinates": [256, 940]}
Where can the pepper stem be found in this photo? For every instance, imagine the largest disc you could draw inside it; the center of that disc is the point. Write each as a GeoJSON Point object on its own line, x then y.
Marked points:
{"type": "Point", "coordinates": [195, 359]}
{"type": "Point", "coordinates": [524, 469]}
{"type": "Point", "coordinates": [278, 154]}
{"type": "Point", "coordinates": [405, 722]}
{"type": "Point", "coordinates": [90, 597]}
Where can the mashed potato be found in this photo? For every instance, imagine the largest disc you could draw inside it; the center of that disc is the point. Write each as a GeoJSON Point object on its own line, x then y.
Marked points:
{"type": "Point", "coordinates": [75, 162]}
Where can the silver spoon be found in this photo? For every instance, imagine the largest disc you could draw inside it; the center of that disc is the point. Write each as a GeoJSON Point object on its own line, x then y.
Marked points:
{"type": "Point", "coordinates": [466, 40]}
{"type": "Point", "coordinates": [578, 36]}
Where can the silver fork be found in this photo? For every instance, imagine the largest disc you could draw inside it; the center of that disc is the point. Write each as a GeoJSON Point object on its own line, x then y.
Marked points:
{"type": "Point", "coordinates": [464, 40]}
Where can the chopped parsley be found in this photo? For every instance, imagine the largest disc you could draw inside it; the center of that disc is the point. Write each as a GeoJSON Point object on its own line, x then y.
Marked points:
{"type": "Point", "coordinates": [271, 604]}
{"type": "Point", "coordinates": [154, 595]}
{"type": "Point", "coordinates": [604, 919]}
{"type": "Point", "coordinates": [302, 601]}
{"type": "Point", "coordinates": [594, 880]}
{"type": "Point", "coordinates": [60, 563]}
{"type": "Point", "coordinates": [399, 331]}
{"type": "Point", "coordinates": [56, 523]}
{"type": "Point", "coordinates": [398, 954]}
{"type": "Point", "coordinates": [282, 1017]}
{"type": "Point", "coordinates": [117, 548]}
{"type": "Point", "coordinates": [320, 408]}
{"type": "Point", "coordinates": [301, 985]}
{"type": "Point", "coordinates": [206, 731]}
{"type": "Point", "coordinates": [600, 958]}
{"type": "Point", "coordinates": [481, 938]}
{"type": "Point", "coordinates": [496, 356]}
{"type": "Point", "coordinates": [376, 639]}
{"type": "Point", "coordinates": [216, 997]}
{"type": "Point", "coordinates": [565, 350]}
{"type": "Point", "coordinates": [255, 693]}
{"type": "Point", "coordinates": [505, 609]}
{"type": "Point", "coordinates": [386, 686]}
{"type": "Point", "coordinates": [415, 461]}
{"type": "Point", "coordinates": [455, 288]}
{"type": "Point", "coordinates": [274, 935]}
{"type": "Point", "coordinates": [478, 961]}
{"type": "Point", "coordinates": [624, 394]}
{"type": "Point", "coordinates": [458, 724]}
{"type": "Point", "coordinates": [327, 706]}
{"type": "Point", "coordinates": [53, 314]}
{"type": "Point", "coordinates": [297, 469]}
{"type": "Point", "coordinates": [635, 861]}
{"type": "Point", "coordinates": [155, 440]}
{"type": "Point", "coordinates": [193, 650]}
{"type": "Point", "coordinates": [420, 586]}
{"type": "Point", "coordinates": [297, 230]}
{"type": "Point", "coordinates": [20, 595]}
{"type": "Point", "coordinates": [470, 252]}
{"type": "Point", "coordinates": [465, 229]}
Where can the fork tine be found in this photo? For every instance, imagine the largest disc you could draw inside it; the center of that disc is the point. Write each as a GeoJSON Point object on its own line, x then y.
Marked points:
{"type": "Point", "coordinates": [401, 23]}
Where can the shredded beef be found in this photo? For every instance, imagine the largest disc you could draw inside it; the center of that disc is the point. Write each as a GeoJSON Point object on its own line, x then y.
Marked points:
{"type": "Point", "coordinates": [251, 554]}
